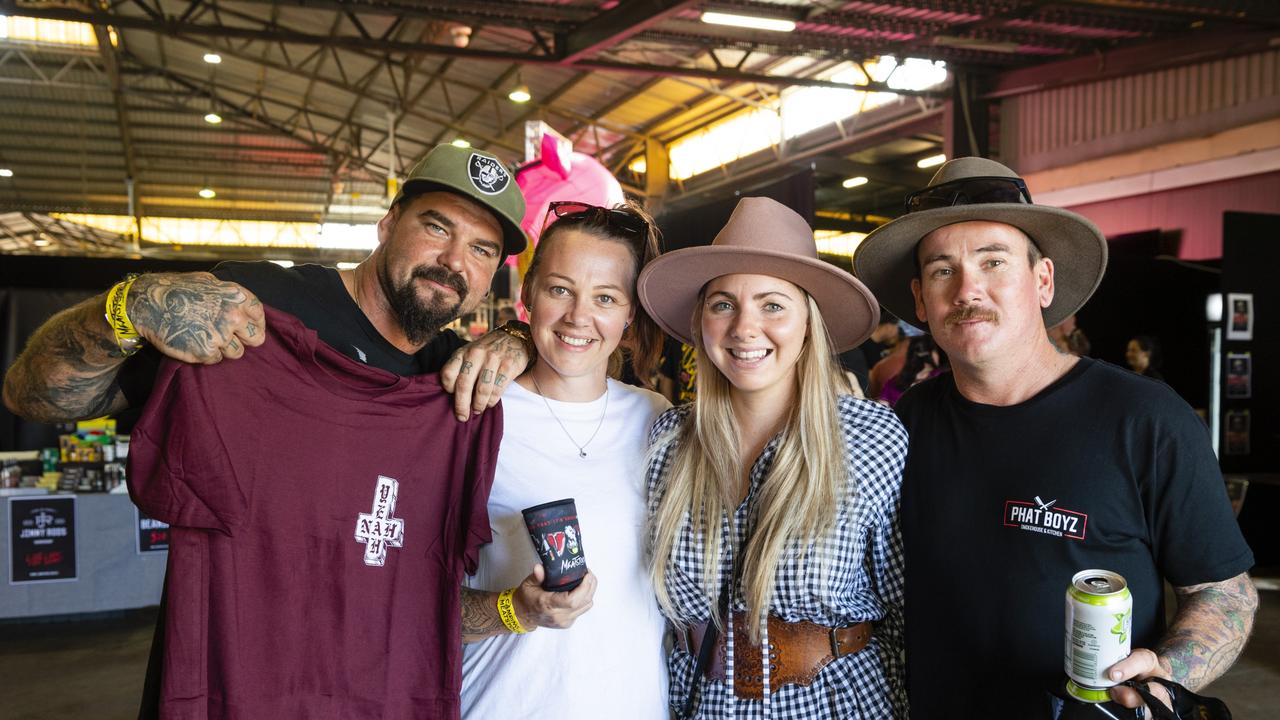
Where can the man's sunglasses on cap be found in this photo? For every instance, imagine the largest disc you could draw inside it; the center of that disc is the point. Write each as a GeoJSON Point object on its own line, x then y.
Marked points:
{"type": "Point", "coordinates": [969, 191]}
{"type": "Point", "coordinates": [616, 219]}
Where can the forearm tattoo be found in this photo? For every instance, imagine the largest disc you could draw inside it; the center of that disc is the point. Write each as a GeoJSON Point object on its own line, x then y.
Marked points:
{"type": "Point", "coordinates": [188, 313]}
{"type": "Point", "coordinates": [68, 369]}
{"type": "Point", "coordinates": [480, 617]}
{"type": "Point", "coordinates": [1209, 630]}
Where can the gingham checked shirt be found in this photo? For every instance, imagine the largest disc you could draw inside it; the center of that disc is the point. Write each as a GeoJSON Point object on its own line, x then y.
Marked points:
{"type": "Point", "coordinates": [862, 579]}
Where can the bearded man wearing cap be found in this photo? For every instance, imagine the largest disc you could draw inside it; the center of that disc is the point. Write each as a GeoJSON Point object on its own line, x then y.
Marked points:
{"type": "Point", "coordinates": [455, 219]}
{"type": "Point", "coordinates": [1028, 465]}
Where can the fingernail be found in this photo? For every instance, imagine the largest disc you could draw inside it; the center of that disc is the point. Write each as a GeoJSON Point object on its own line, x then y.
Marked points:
{"type": "Point", "coordinates": [1115, 675]}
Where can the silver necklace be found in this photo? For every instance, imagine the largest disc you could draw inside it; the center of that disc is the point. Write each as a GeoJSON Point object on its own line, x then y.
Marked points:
{"type": "Point", "coordinates": [582, 449]}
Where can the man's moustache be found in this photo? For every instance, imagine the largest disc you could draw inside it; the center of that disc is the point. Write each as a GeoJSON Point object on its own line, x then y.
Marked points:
{"type": "Point", "coordinates": [444, 277]}
{"type": "Point", "coordinates": [969, 313]}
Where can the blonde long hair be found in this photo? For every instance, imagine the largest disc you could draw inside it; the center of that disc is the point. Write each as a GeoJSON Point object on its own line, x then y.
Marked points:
{"type": "Point", "coordinates": [799, 499]}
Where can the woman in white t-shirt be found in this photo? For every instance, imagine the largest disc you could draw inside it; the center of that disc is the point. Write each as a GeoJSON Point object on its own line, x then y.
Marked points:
{"type": "Point", "coordinates": [571, 431]}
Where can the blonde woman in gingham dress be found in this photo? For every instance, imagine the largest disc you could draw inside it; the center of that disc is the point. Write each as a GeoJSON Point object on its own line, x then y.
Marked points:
{"type": "Point", "coordinates": [773, 489]}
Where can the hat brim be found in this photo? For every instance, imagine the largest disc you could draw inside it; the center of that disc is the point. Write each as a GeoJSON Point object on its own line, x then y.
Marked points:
{"type": "Point", "coordinates": [886, 258]}
{"type": "Point", "coordinates": [670, 284]}
{"type": "Point", "coordinates": [514, 240]}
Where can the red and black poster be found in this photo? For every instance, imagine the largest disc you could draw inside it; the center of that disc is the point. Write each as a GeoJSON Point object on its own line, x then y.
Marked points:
{"type": "Point", "coordinates": [42, 539]}
{"type": "Point", "coordinates": [153, 535]}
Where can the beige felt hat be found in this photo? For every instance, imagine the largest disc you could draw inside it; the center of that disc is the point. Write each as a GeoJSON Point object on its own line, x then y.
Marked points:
{"type": "Point", "coordinates": [762, 237]}
{"type": "Point", "coordinates": [974, 188]}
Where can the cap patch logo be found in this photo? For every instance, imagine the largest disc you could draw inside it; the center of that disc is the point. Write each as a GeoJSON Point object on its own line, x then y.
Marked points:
{"type": "Point", "coordinates": [487, 175]}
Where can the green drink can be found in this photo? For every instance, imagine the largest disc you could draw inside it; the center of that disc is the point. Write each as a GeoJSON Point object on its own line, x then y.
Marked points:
{"type": "Point", "coordinates": [1098, 629]}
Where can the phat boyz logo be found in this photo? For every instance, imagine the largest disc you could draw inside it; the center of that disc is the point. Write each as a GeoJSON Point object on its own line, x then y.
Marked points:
{"type": "Point", "coordinates": [487, 175]}
{"type": "Point", "coordinates": [1045, 518]}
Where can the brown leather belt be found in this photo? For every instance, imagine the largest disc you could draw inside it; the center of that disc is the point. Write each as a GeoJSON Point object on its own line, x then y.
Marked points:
{"type": "Point", "coordinates": [798, 651]}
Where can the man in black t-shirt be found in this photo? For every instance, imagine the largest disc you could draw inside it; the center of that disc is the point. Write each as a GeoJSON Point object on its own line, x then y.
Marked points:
{"type": "Point", "coordinates": [1028, 465]}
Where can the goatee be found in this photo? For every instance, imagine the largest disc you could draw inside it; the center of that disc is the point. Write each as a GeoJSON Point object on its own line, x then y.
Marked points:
{"type": "Point", "coordinates": [420, 319]}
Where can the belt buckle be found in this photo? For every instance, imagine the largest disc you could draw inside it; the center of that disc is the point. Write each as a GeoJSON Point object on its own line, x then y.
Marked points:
{"type": "Point", "coordinates": [835, 643]}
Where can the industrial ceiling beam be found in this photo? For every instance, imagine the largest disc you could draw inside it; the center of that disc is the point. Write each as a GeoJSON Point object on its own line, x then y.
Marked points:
{"type": "Point", "coordinates": [615, 25]}
{"type": "Point", "coordinates": [175, 28]}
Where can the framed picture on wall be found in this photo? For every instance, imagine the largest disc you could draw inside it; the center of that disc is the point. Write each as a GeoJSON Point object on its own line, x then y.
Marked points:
{"type": "Point", "coordinates": [1237, 440]}
{"type": "Point", "coordinates": [1239, 376]}
{"type": "Point", "coordinates": [1239, 316]}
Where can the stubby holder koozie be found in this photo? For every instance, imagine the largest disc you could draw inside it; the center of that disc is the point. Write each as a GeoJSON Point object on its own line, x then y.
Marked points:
{"type": "Point", "coordinates": [556, 536]}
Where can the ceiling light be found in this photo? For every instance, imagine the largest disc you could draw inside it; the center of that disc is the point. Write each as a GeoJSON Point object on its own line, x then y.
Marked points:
{"type": "Point", "coordinates": [748, 21]}
{"type": "Point", "coordinates": [207, 193]}
{"type": "Point", "coordinates": [854, 182]}
{"type": "Point", "coordinates": [461, 35]}
{"type": "Point", "coordinates": [212, 58]}
{"type": "Point", "coordinates": [462, 143]}
{"type": "Point", "coordinates": [931, 161]}
{"type": "Point", "coordinates": [213, 118]}
{"type": "Point", "coordinates": [520, 94]}
{"type": "Point", "coordinates": [283, 263]}
{"type": "Point", "coordinates": [6, 172]}
{"type": "Point", "coordinates": [40, 242]}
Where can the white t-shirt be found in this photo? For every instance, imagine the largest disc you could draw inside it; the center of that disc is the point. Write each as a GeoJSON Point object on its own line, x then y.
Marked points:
{"type": "Point", "coordinates": [611, 663]}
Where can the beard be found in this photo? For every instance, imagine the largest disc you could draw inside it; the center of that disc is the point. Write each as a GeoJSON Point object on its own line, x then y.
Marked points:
{"type": "Point", "coordinates": [419, 319]}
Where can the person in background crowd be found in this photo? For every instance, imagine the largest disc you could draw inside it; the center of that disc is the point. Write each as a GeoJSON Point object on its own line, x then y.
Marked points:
{"type": "Point", "coordinates": [571, 431]}
{"type": "Point", "coordinates": [891, 364]}
{"type": "Point", "coordinates": [1143, 356]}
{"type": "Point", "coordinates": [857, 363]}
{"type": "Point", "coordinates": [773, 497]}
{"type": "Point", "coordinates": [1069, 337]}
{"type": "Point", "coordinates": [923, 362]}
{"type": "Point", "coordinates": [1028, 465]}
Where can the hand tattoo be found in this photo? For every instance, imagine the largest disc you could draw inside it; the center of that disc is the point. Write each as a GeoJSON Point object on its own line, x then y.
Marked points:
{"type": "Point", "coordinates": [501, 379]}
{"type": "Point", "coordinates": [466, 367]}
{"type": "Point", "coordinates": [185, 312]}
{"type": "Point", "coordinates": [486, 375]}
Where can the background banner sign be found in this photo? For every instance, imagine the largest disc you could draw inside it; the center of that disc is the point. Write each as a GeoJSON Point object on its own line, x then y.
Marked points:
{"type": "Point", "coordinates": [153, 535]}
{"type": "Point", "coordinates": [42, 539]}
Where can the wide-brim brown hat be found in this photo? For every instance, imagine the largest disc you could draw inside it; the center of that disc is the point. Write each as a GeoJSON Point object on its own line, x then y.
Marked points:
{"type": "Point", "coordinates": [886, 258]}
{"type": "Point", "coordinates": [762, 237]}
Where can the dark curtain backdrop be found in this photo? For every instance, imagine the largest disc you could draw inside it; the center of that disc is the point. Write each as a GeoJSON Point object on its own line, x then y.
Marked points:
{"type": "Point", "coordinates": [1147, 291]}
{"type": "Point", "coordinates": [32, 289]}
{"type": "Point", "coordinates": [690, 227]}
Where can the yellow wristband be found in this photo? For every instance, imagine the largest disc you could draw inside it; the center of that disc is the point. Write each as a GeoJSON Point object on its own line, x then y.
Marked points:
{"type": "Point", "coordinates": [127, 336]}
{"type": "Point", "coordinates": [507, 611]}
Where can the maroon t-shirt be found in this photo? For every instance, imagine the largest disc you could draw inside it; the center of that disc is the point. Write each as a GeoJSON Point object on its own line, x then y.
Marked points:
{"type": "Point", "coordinates": [323, 513]}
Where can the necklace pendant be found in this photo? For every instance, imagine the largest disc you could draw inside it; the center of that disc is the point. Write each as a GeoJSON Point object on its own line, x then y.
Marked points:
{"type": "Point", "coordinates": [582, 453]}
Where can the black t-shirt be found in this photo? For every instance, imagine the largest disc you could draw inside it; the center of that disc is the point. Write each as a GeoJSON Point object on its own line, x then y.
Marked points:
{"type": "Point", "coordinates": [1001, 506]}
{"type": "Point", "coordinates": [315, 295]}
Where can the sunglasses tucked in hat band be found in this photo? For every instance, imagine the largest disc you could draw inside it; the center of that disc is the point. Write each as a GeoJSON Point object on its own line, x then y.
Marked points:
{"type": "Point", "coordinates": [970, 191]}
{"type": "Point", "coordinates": [762, 237]}
{"type": "Point", "coordinates": [976, 189]}
{"type": "Point", "coordinates": [479, 176]}
{"type": "Point", "coordinates": [616, 219]}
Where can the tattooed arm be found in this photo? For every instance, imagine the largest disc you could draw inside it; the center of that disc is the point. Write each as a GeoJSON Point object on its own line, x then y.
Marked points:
{"type": "Point", "coordinates": [1206, 636]}
{"type": "Point", "coordinates": [534, 607]}
{"type": "Point", "coordinates": [68, 369]}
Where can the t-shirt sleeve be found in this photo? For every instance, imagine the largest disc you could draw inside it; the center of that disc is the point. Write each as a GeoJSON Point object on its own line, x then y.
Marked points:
{"type": "Point", "coordinates": [481, 466]}
{"type": "Point", "coordinates": [1194, 532]}
{"type": "Point", "coordinates": [179, 469]}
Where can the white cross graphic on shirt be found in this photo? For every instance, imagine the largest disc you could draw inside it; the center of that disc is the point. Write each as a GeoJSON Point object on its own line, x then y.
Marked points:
{"type": "Point", "coordinates": [378, 530]}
